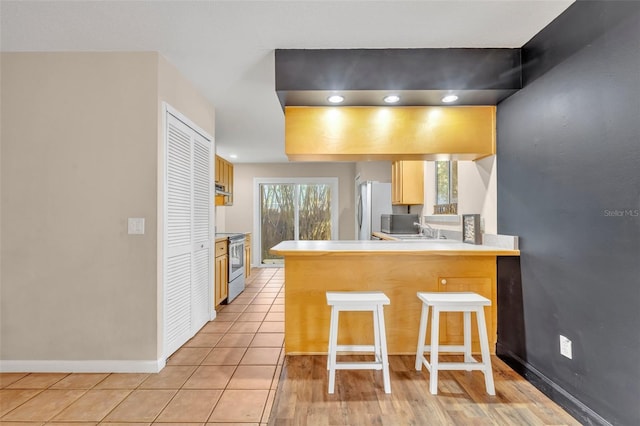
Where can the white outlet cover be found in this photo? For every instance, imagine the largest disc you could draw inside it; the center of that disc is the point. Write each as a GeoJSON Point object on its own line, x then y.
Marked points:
{"type": "Point", "coordinates": [565, 347]}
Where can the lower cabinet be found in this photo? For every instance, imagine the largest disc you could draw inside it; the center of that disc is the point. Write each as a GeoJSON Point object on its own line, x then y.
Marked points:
{"type": "Point", "coordinates": [451, 323]}
{"type": "Point", "coordinates": [222, 271]}
{"type": "Point", "coordinates": [247, 255]}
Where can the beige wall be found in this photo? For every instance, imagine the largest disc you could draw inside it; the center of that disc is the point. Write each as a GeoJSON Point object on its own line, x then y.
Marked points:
{"type": "Point", "coordinates": [379, 171]}
{"type": "Point", "coordinates": [239, 217]}
{"type": "Point", "coordinates": [177, 92]}
{"type": "Point", "coordinates": [80, 138]}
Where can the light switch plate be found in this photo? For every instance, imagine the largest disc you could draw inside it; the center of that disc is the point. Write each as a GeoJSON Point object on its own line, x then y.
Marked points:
{"type": "Point", "coordinates": [136, 226]}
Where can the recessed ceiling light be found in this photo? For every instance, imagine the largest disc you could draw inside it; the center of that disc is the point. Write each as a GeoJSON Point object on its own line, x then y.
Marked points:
{"type": "Point", "coordinates": [392, 99]}
{"type": "Point", "coordinates": [449, 98]}
{"type": "Point", "coordinates": [335, 99]}
{"type": "Point", "coordinates": [233, 156]}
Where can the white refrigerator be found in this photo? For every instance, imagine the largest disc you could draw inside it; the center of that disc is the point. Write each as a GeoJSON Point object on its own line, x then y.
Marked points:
{"type": "Point", "coordinates": [372, 200]}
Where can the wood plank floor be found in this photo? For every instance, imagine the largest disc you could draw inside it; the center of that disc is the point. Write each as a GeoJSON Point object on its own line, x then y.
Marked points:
{"type": "Point", "coordinates": [359, 398]}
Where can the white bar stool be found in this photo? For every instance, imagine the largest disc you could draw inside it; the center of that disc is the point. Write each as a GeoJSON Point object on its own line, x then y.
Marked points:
{"type": "Point", "coordinates": [453, 302]}
{"type": "Point", "coordinates": [358, 301]}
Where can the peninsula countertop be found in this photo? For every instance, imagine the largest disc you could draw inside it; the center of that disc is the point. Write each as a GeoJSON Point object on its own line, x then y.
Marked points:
{"type": "Point", "coordinates": [397, 268]}
{"type": "Point", "coordinates": [432, 247]}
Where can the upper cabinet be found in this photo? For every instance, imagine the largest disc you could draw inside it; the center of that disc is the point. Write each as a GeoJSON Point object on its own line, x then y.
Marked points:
{"type": "Point", "coordinates": [224, 182]}
{"type": "Point", "coordinates": [389, 133]}
{"type": "Point", "coordinates": [407, 185]}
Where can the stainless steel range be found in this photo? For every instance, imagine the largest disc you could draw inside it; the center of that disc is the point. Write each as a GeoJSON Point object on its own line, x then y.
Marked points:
{"type": "Point", "coordinates": [236, 264]}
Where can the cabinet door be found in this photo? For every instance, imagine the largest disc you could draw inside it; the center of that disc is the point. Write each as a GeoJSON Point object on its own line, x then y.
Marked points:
{"type": "Point", "coordinates": [224, 177]}
{"type": "Point", "coordinates": [221, 278]}
{"type": "Point", "coordinates": [219, 170]}
{"type": "Point", "coordinates": [407, 182]}
{"type": "Point", "coordinates": [218, 280]}
{"type": "Point", "coordinates": [451, 323]}
{"type": "Point", "coordinates": [396, 183]}
{"type": "Point", "coordinates": [228, 178]}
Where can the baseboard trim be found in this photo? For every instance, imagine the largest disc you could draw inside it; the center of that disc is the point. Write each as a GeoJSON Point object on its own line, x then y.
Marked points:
{"type": "Point", "coordinates": [81, 366]}
{"type": "Point", "coordinates": [568, 402]}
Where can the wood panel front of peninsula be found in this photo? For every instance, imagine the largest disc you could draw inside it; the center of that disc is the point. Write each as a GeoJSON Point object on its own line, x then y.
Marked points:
{"type": "Point", "coordinates": [399, 274]}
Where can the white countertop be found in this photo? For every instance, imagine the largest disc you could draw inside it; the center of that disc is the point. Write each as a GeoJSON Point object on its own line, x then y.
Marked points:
{"type": "Point", "coordinates": [436, 247]}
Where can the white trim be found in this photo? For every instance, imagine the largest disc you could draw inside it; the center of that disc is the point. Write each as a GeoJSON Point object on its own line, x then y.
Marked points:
{"type": "Point", "coordinates": [79, 366]}
{"type": "Point", "coordinates": [168, 108]}
{"type": "Point", "coordinates": [162, 253]}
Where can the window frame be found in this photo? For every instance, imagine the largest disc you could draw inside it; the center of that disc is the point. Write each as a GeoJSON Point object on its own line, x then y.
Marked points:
{"type": "Point", "coordinates": [257, 228]}
{"type": "Point", "coordinates": [451, 206]}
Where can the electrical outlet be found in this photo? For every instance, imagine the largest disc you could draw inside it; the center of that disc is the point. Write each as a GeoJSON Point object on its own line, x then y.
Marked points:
{"type": "Point", "coordinates": [565, 347]}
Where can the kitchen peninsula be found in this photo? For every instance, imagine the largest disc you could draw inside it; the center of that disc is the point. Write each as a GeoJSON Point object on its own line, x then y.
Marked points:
{"type": "Point", "coordinates": [399, 269]}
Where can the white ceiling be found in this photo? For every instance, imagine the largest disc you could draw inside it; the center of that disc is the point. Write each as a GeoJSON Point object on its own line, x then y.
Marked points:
{"type": "Point", "coordinates": [226, 48]}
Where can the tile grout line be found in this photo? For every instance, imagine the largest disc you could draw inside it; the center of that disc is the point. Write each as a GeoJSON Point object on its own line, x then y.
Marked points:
{"type": "Point", "coordinates": [262, 290]}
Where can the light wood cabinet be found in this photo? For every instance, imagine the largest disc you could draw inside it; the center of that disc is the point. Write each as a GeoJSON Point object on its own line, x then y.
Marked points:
{"type": "Point", "coordinates": [359, 133]}
{"type": "Point", "coordinates": [451, 323]}
{"type": "Point", "coordinates": [221, 271]}
{"type": "Point", "coordinates": [247, 255]}
{"type": "Point", "coordinates": [309, 275]}
{"type": "Point", "coordinates": [224, 177]}
{"type": "Point", "coordinates": [407, 182]}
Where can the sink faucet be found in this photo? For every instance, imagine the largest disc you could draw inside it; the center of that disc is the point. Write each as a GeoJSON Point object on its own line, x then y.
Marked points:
{"type": "Point", "coordinates": [427, 230]}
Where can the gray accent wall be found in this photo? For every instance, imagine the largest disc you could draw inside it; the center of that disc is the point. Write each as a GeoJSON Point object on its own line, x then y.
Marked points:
{"type": "Point", "coordinates": [569, 186]}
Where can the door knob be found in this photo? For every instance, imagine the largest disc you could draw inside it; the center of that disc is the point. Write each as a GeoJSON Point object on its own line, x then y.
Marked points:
{"type": "Point", "coordinates": [443, 281]}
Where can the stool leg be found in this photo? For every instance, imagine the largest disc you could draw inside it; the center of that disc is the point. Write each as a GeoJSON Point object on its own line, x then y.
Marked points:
{"type": "Point", "coordinates": [484, 346]}
{"type": "Point", "coordinates": [377, 351]}
{"type": "Point", "coordinates": [435, 328]}
{"type": "Point", "coordinates": [329, 351]}
{"type": "Point", "coordinates": [383, 347]}
{"type": "Point", "coordinates": [333, 343]}
{"type": "Point", "coordinates": [467, 338]}
{"type": "Point", "coordinates": [422, 335]}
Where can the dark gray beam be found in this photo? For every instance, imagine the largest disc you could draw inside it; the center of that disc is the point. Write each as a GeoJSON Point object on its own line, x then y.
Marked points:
{"type": "Point", "coordinates": [490, 74]}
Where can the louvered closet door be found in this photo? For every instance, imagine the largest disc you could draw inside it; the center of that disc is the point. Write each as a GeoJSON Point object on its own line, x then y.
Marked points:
{"type": "Point", "coordinates": [202, 263]}
{"type": "Point", "coordinates": [187, 243]}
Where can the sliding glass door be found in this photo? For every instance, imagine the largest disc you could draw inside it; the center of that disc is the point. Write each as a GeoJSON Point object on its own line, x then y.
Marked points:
{"type": "Point", "coordinates": [295, 209]}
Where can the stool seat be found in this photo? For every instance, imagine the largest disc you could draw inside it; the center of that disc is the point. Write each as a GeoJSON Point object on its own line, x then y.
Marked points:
{"type": "Point", "coordinates": [465, 302]}
{"type": "Point", "coordinates": [453, 300]}
{"type": "Point", "coordinates": [357, 298]}
{"type": "Point", "coordinates": [373, 301]}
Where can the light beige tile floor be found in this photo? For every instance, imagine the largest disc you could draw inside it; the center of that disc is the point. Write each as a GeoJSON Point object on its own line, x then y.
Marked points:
{"type": "Point", "coordinates": [226, 374]}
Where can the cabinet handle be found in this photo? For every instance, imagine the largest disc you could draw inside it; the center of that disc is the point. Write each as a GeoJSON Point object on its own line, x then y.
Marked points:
{"type": "Point", "coordinates": [443, 281]}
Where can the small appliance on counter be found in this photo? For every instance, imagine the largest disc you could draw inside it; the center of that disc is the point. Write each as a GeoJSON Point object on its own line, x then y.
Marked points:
{"type": "Point", "coordinates": [399, 223]}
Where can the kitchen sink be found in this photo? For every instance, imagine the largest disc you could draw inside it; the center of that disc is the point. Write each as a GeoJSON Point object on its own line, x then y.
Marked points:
{"type": "Point", "coordinates": [414, 237]}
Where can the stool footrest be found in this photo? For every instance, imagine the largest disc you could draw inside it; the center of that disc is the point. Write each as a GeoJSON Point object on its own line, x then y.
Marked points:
{"type": "Point", "coordinates": [446, 348]}
{"type": "Point", "coordinates": [457, 365]}
{"type": "Point", "coordinates": [355, 348]}
{"type": "Point", "coordinates": [358, 366]}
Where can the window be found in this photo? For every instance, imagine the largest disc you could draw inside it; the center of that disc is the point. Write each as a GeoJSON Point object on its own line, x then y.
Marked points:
{"type": "Point", "coordinates": [295, 209]}
{"type": "Point", "coordinates": [446, 187]}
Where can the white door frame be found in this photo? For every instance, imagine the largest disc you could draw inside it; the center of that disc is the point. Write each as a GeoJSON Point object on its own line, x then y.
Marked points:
{"type": "Point", "coordinates": [335, 197]}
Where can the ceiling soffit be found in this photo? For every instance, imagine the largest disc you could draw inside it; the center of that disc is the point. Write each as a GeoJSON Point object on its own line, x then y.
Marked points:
{"type": "Point", "coordinates": [306, 77]}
